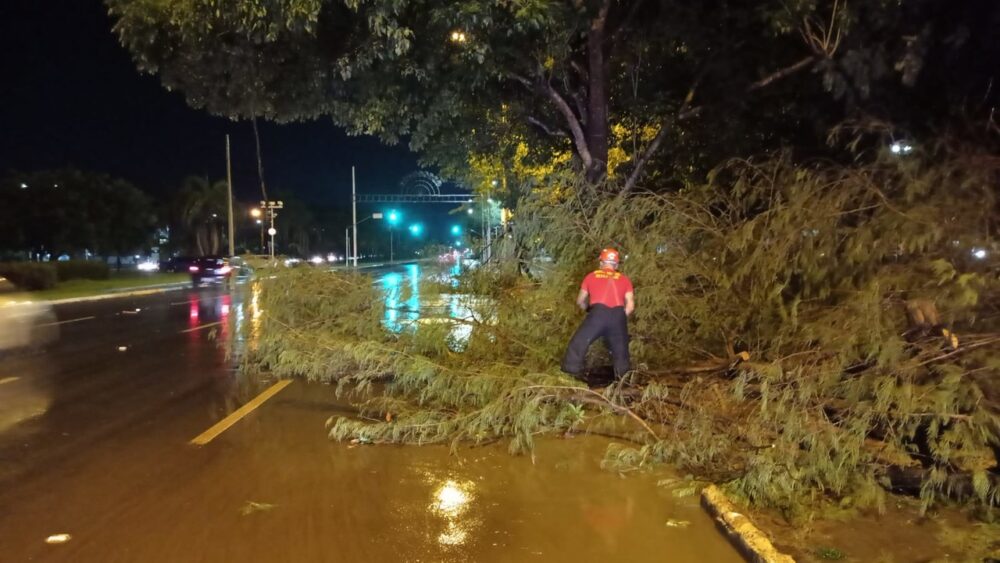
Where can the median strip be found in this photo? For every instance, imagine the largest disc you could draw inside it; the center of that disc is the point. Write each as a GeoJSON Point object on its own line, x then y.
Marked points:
{"type": "Point", "coordinates": [224, 424]}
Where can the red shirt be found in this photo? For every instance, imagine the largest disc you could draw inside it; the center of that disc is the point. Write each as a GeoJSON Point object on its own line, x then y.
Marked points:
{"type": "Point", "coordinates": [607, 287]}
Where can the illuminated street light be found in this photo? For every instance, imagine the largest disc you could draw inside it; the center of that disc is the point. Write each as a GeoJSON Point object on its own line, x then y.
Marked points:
{"type": "Point", "coordinates": [416, 229]}
{"type": "Point", "coordinates": [393, 216]}
{"type": "Point", "coordinates": [901, 148]}
{"type": "Point", "coordinates": [255, 213]}
{"type": "Point", "coordinates": [470, 211]}
{"type": "Point", "coordinates": [458, 36]}
{"type": "Point", "coordinates": [456, 230]}
{"type": "Point", "coordinates": [24, 186]}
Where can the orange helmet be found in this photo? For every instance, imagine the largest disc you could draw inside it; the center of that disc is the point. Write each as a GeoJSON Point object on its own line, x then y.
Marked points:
{"type": "Point", "coordinates": [610, 255]}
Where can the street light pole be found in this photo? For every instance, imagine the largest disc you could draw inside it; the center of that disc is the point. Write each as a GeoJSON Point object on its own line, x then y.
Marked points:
{"type": "Point", "coordinates": [256, 214]}
{"type": "Point", "coordinates": [229, 182]}
{"type": "Point", "coordinates": [270, 206]}
{"type": "Point", "coordinates": [354, 215]}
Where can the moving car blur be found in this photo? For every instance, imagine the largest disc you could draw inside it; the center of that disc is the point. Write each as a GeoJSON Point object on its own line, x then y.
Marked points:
{"type": "Point", "coordinates": [23, 322]}
{"type": "Point", "coordinates": [210, 269]}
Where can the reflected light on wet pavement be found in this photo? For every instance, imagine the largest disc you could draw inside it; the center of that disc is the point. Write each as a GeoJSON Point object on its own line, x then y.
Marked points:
{"type": "Point", "coordinates": [133, 490]}
{"type": "Point", "coordinates": [451, 501]}
{"type": "Point", "coordinates": [406, 309]}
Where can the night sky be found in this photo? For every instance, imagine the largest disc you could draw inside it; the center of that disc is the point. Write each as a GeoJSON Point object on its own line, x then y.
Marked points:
{"type": "Point", "coordinates": [71, 96]}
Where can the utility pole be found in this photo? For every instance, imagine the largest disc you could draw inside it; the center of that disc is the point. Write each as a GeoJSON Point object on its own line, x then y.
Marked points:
{"type": "Point", "coordinates": [347, 245]}
{"type": "Point", "coordinates": [354, 215]}
{"type": "Point", "coordinates": [271, 206]}
{"type": "Point", "coordinates": [229, 181]}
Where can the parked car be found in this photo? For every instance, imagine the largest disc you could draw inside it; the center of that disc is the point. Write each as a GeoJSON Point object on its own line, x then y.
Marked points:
{"type": "Point", "coordinates": [212, 269]}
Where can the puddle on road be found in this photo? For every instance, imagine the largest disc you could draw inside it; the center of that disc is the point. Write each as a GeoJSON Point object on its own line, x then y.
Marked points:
{"type": "Point", "coordinates": [327, 501]}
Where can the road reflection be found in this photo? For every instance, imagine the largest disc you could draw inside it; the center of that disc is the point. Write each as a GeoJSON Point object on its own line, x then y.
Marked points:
{"type": "Point", "coordinates": [406, 308]}
{"type": "Point", "coordinates": [451, 501]}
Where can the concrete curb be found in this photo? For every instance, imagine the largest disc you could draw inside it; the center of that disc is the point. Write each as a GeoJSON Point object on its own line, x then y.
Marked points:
{"type": "Point", "coordinates": [149, 290]}
{"type": "Point", "coordinates": [742, 533]}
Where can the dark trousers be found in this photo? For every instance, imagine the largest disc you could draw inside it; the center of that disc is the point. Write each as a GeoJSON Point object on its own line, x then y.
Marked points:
{"type": "Point", "coordinates": [609, 323]}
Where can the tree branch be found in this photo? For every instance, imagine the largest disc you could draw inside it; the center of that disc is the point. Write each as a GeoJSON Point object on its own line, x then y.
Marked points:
{"type": "Point", "coordinates": [579, 138]}
{"type": "Point", "coordinates": [615, 35]}
{"type": "Point", "coordinates": [572, 121]}
{"type": "Point", "coordinates": [782, 73]}
{"type": "Point", "coordinates": [688, 111]}
{"type": "Point", "coordinates": [553, 131]}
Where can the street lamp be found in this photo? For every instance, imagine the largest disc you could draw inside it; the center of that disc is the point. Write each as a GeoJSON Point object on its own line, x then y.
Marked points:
{"type": "Point", "coordinates": [456, 230]}
{"type": "Point", "coordinates": [347, 238]}
{"type": "Point", "coordinates": [416, 229]}
{"type": "Point", "coordinates": [393, 217]}
{"type": "Point", "coordinates": [256, 213]}
{"type": "Point", "coordinates": [270, 207]}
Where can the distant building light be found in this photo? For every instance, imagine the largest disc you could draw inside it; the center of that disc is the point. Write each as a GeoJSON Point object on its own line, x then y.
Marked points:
{"type": "Point", "coordinates": [979, 253]}
{"type": "Point", "coordinates": [24, 186]}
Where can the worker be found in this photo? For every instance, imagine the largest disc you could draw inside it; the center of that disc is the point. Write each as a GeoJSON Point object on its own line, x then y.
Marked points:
{"type": "Point", "coordinates": [608, 298]}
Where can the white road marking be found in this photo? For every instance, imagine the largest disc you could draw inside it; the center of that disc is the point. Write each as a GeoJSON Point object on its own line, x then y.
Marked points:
{"type": "Point", "coordinates": [209, 325]}
{"type": "Point", "coordinates": [81, 319]}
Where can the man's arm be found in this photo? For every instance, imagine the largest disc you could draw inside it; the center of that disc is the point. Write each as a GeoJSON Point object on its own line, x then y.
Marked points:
{"type": "Point", "coordinates": [581, 299]}
{"type": "Point", "coordinates": [629, 303]}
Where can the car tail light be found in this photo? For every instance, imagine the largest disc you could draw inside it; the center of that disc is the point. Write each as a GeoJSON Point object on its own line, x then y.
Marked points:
{"type": "Point", "coordinates": [225, 270]}
{"type": "Point", "coordinates": [192, 268]}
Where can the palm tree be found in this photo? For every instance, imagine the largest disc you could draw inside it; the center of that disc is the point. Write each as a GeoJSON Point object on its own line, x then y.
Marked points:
{"type": "Point", "coordinates": [200, 208]}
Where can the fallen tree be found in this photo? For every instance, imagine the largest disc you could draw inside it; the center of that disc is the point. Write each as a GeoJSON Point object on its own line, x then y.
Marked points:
{"type": "Point", "coordinates": [803, 329]}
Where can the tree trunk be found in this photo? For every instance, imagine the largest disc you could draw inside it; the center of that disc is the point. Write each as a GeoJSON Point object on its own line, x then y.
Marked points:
{"type": "Point", "coordinates": [597, 99]}
{"type": "Point", "coordinates": [214, 241]}
{"type": "Point", "coordinates": [199, 239]}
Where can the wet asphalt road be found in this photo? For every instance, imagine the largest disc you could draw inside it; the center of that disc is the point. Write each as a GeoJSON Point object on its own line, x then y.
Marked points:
{"type": "Point", "coordinates": [94, 443]}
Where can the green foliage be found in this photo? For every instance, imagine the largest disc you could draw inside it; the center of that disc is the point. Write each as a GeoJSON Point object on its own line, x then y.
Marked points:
{"type": "Point", "coordinates": [807, 267]}
{"type": "Point", "coordinates": [198, 213]}
{"type": "Point", "coordinates": [30, 275]}
{"type": "Point", "coordinates": [82, 270]}
{"type": "Point", "coordinates": [73, 212]}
